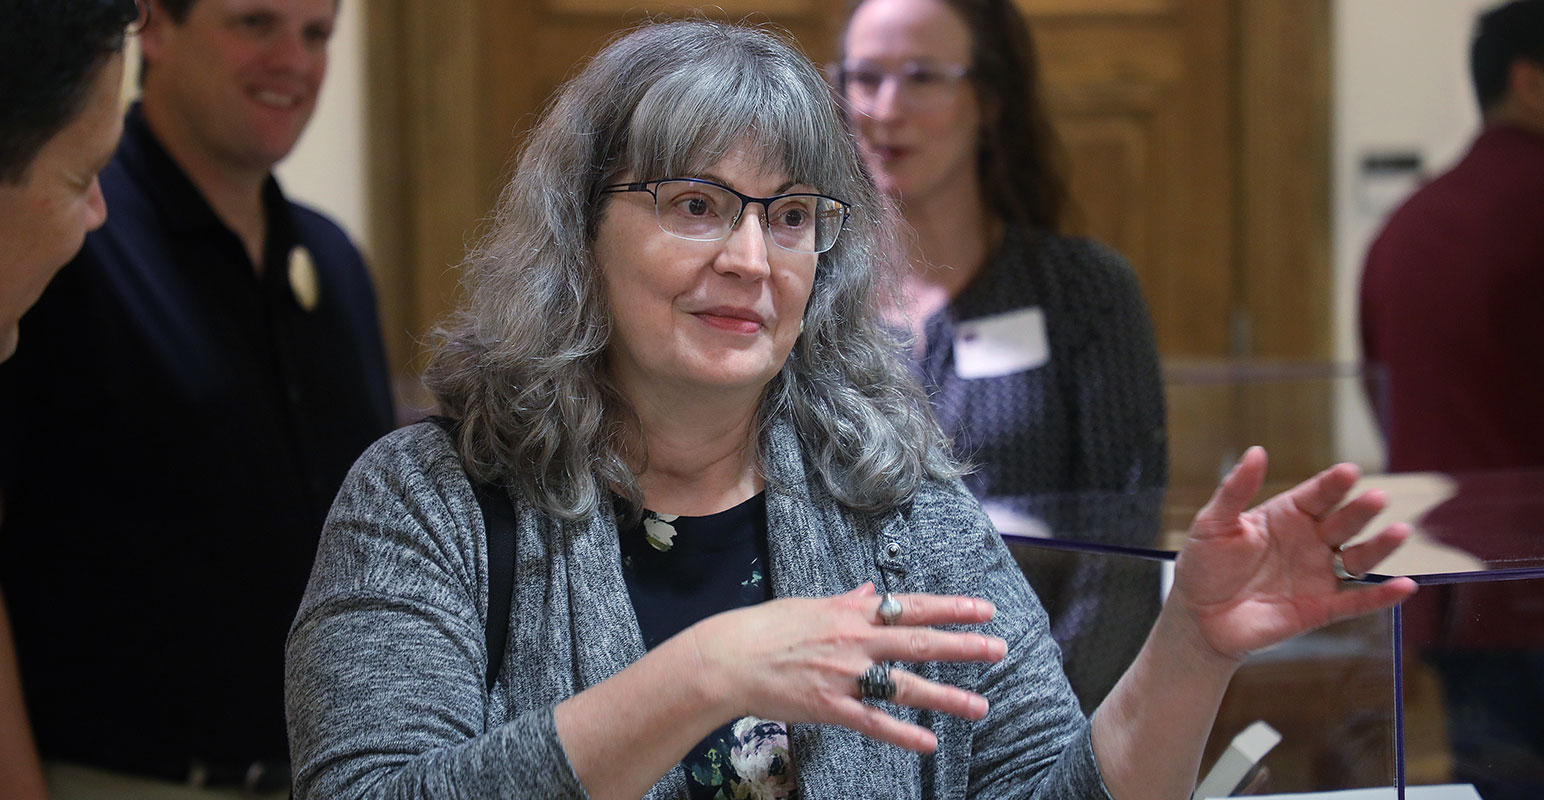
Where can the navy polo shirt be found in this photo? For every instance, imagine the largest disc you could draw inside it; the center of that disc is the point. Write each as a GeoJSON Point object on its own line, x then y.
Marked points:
{"type": "Point", "coordinates": [175, 425]}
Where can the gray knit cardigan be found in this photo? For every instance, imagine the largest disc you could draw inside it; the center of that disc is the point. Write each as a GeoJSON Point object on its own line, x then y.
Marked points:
{"type": "Point", "coordinates": [385, 662]}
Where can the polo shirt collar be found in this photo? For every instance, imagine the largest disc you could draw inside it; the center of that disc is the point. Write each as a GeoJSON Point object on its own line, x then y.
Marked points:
{"type": "Point", "coordinates": [173, 193]}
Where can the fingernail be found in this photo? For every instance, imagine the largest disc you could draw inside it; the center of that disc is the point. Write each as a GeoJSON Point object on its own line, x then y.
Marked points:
{"type": "Point", "coordinates": [978, 707]}
{"type": "Point", "coordinates": [976, 607]}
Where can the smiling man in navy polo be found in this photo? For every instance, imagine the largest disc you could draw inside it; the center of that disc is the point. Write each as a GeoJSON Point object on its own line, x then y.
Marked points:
{"type": "Point", "coordinates": [197, 382]}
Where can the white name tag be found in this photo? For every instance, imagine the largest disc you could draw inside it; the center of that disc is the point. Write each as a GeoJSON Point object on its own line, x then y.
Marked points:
{"type": "Point", "coordinates": [1001, 345]}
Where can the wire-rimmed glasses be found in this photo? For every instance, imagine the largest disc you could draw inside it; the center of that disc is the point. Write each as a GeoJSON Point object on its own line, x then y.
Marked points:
{"type": "Point", "coordinates": [704, 211]}
{"type": "Point", "coordinates": [920, 84]}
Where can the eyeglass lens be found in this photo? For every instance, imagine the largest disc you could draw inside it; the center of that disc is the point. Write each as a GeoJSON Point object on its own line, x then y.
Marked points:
{"type": "Point", "coordinates": [921, 84]}
{"type": "Point", "coordinates": [803, 223]}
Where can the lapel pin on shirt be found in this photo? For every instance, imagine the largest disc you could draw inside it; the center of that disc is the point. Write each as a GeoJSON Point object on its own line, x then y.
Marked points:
{"type": "Point", "coordinates": [302, 279]}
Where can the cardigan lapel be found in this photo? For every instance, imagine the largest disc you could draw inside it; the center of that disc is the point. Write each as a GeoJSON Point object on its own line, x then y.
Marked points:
{"type": "Point", "coordinates": [819, 551]}
{"type": "Point", "coordinates": [816, 550]}
{"type": "Point", "coordinates": [606, 636]}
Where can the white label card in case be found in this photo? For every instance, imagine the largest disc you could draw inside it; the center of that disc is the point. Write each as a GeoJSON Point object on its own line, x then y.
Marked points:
{"type": "Point", "coordinates": [1001, 345]}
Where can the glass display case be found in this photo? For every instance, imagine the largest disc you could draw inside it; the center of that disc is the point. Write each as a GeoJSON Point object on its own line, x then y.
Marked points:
{"type": "Point", "coordinates": [1471, 671]}
{"type": "Point", "coordinates": [1445, 691]}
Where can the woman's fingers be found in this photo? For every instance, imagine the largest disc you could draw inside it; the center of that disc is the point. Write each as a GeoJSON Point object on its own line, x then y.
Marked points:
{"type": "Point", "coordinates": [932, 609]}
{"type": "Point", "coordinates": [826, 645]}
{"type": "Point", "coordinates": [1365, 598]}
{"type": "Point", "coordinates": [1361, 558]}
{"type": "Point", "coordinates": [916, 692]}
{"type": "Point", "coordinates": [1319, 495]}
{"type": "Point", "coordinates": [865, 590]}
{"type": "Point", "coordinates": [911, 637]}
{"type": "Point", "coordinates": [873, 722]}
{"type": "Point", "coordinates": [920, 645]}
{"type": "Point", "coordinates": [1345, 522]}
{"type": "Point", "coordinates": [1232, 497]}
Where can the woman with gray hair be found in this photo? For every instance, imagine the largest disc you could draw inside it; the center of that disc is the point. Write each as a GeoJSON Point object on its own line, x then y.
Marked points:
{"type": "Point", "coordinates": [671, 363]}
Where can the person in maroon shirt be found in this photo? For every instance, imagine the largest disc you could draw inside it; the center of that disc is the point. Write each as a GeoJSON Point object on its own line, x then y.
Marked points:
{"type": "Point", "coordinates": [1449, 307]}
{"type": "Point", "coordinates": [1452, 288]}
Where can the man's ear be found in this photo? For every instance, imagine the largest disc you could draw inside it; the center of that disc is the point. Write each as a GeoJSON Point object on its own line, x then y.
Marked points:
{"type": "Point", "coordinates": [152, 37]}
{"type": "Point", "coordinates": [1525, 87]}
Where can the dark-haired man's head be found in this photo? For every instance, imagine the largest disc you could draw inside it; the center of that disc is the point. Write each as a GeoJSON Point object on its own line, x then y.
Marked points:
{"type": "Point", "coordinates": [50, 53]}
{"type": "Point", "coordinates": [1507, 63]}
{"type": "Point", "coordinates": [60, 122]}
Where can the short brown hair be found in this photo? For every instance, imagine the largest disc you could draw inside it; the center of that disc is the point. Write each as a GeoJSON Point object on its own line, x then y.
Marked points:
{"type": "Point", "coordinates": [51, 52]}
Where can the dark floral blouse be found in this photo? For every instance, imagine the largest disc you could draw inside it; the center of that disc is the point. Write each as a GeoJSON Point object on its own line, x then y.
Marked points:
{"type": "Point", "coordinates": [680, 570]}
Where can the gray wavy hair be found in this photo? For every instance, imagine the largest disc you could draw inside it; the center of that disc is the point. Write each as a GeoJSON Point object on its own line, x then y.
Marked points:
{"type": "Point", "coordinates": [522, 364]}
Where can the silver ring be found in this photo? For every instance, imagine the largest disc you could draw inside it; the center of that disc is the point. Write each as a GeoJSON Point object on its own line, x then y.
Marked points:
{"type": "Point", "coordinates": [875, 683]}
{"type": "Point", "coordinates": [889, 609]}
{"type": "Point", "coordinates": [1339, 565]}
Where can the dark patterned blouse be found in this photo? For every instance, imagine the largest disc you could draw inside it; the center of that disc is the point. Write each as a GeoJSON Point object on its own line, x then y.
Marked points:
{"type": "Point", "coordinates": [680, 570]}
{"type": "Point", "coordinates": [1045, 373]}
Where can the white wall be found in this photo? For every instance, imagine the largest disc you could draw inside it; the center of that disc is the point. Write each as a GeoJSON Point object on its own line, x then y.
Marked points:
{"type": "Point", "coordinates": [1401, 85]}
{"type": "Point", "coordinates": [327, 168]}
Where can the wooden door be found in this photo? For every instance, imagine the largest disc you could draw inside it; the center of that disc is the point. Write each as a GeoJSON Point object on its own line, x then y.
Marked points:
{"type": "Point", "coordinates": [1197, 134]}
{"type": "Point", "coordinates": [1139, 90]}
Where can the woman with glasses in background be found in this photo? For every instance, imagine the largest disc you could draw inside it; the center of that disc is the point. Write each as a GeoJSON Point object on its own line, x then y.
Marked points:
{"type": "Point", "coordinates": [672, 380]}
{"type": "Point", "coordinates": [1035, 347]}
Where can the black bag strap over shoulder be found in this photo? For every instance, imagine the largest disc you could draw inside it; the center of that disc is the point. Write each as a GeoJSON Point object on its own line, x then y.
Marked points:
{"type": "Point", "coordinates": [499, 520]}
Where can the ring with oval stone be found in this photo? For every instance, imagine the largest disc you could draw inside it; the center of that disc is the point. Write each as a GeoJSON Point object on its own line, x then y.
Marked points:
{"type": "Point", "coordinates": [889, 609]}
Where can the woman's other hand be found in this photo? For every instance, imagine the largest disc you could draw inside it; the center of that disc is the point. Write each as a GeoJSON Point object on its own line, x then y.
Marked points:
{"type": "Point", "coordinates": [1253, 577]}
{"type": "Point", "coordinates": [798, 660]}
{"type": "Point", "coordinates": [1247, 578]}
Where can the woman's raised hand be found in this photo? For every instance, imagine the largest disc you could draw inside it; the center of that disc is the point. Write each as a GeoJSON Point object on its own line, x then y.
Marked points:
{"type": "Point", "coordinates": [1255, 577]}
{"type": "Point", "coordinates": [799, 659]}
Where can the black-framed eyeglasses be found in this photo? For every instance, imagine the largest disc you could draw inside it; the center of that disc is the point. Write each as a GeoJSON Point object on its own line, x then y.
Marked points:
{"type": "Point", "coordinates": [704, 211]}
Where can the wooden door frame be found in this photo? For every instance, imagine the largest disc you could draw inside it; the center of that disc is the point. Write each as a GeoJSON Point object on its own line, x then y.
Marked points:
{"type": "Point", "coordinates": [1285, 148]}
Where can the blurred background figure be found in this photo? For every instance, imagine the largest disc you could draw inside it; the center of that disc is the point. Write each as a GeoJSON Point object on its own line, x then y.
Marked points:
{"type": "Point", "coordinates": [1452, 286]}
{"type": "Point", "coordinates": [62, 65]}
{"type": "Point", "coordinates": [1449, 310]}
{"type": "Point", "coordinates": [1035, 347]}
{"type": "Point", "coordinates": [193, 388]}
